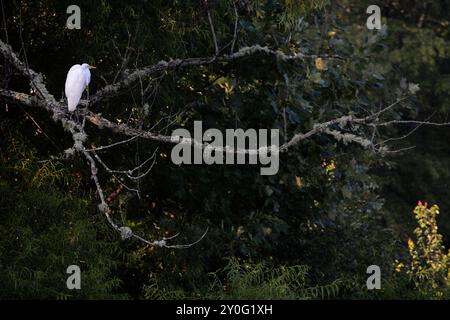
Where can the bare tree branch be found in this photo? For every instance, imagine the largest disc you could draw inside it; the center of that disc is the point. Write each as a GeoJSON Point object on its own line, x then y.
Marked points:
{"type": "Point", "coordinates": [163, 66]}
{"type": "Point", "coordinates": [126, 130]}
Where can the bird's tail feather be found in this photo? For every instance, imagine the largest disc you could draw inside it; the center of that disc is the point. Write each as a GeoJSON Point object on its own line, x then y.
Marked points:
{"type": "Point", "coordinates": [71, 105]}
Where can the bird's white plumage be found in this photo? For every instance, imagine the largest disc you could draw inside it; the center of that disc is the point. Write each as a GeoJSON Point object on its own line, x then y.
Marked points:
{"type": "Point", "coordinates": [78, 78]}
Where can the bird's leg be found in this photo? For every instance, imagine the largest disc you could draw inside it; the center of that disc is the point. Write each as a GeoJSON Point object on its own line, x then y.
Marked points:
{"type": "Point", "coordinates": [73, 116]}
{"type": "Point", "coordinates": [84, 118]}
{"type": "Point", "coordinates": [87, 105]}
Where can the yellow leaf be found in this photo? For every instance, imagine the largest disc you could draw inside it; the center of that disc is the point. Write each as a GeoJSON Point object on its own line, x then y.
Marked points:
{"type": "Point", "coordinates": [298, 182]}
{"type": "Point", "coordinates": [410, 244]}
{"type": "Point", "coordinates": [321, 64]}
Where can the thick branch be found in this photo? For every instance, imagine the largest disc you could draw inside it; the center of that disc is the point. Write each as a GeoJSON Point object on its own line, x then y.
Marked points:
{"type": "Point", "coordinates": [36, 80]}
{"type": "Point", "coordinates": [173, 64]}
{"type": "Point", "coordinates": [324, 127]}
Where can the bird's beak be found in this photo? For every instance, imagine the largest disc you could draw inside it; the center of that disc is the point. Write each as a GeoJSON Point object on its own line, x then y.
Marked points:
{"type": "Point", "coordinates": [92, 67]}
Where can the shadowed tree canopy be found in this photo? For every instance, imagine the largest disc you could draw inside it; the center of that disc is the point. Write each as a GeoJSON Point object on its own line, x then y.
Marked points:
{"type": "Point", "coordinates": [362, 116]}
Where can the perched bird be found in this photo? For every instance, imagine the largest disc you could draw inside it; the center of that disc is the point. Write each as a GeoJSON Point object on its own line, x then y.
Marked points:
{"type": "Point", "coordinates": [78, 78]}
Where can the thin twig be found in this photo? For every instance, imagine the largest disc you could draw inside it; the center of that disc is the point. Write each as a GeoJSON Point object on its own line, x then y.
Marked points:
{"type": "Point", "coordinates": [235, 28]}
{"type": "Point", "coordinates": [216, 47]}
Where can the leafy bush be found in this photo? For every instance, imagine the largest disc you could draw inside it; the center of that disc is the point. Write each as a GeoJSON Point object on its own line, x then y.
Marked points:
{"type": "Point", "coordinates": [429, 265]}
{"type": "Point", "coordinates": [246, 280]}
{"type": "Point", "coordinates": [44, 229]}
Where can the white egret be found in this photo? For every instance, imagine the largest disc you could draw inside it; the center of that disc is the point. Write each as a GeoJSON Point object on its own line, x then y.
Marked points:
{"type": "Point", "coordinates": [78, 79]}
